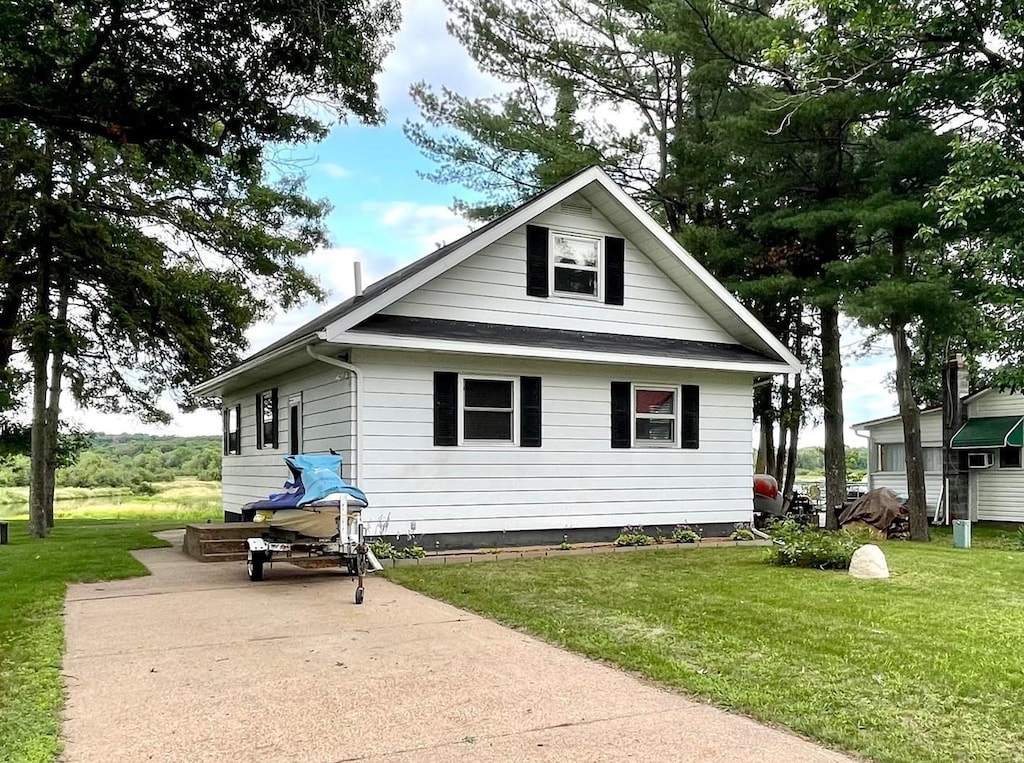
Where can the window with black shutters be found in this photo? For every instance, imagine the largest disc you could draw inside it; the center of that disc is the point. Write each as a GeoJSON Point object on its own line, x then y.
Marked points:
{"type": "Point", "coordinates": [266, 419]}
{"type": "Point", "coordinates": [655, 416]}
{"type": "Point", "coordinates": [488, 410]}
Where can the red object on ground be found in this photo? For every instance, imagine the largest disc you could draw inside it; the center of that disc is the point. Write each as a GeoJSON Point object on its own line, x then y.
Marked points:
{"type": "Point", "coordinates": [766, 486]}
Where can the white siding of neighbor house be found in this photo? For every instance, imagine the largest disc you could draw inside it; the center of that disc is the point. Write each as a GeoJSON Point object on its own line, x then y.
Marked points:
{"type": "Point", "coordinates": [326, 424]}
{"type": "Point", "coordinates": [490, 287]}
{"type": "Point", "coordinates": [575, 480]}
{"type": "Point", "coordinates": [892, 432]}
{"type": "Point", "coordinates": [998, 494]}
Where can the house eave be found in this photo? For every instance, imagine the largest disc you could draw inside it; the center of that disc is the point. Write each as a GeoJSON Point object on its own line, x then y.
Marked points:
{"type": "Point", "coordinates": [396, 342]}
{"type": "Point", "coordinates": [217, 384]}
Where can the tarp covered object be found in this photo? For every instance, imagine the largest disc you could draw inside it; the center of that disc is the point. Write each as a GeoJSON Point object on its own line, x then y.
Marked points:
{"type": "Point", "coordinates": [878, 508]}
{"type": "Point", "coordinates": [315, 522]}
{"type": "Point", "coordinates": [314, 477]}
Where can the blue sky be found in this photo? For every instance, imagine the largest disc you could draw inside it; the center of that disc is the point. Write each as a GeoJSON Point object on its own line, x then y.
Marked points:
{"type": "Point", "coordinates": [385, 214]}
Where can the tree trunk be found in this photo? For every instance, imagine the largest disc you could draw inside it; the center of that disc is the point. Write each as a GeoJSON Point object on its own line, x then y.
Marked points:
{"type": "Point", "coordinates": [794, 432]}
{"type": "Point", "coordinates": [782, 449]}
{"type": "Point", "coordinates": [764, 462]}
{"type": "Point", "coordinates": [832, 403]}
{"type": "Point", "coordinates": [53, 411]}
{"type": "Point", "coordinates": [911, 416]}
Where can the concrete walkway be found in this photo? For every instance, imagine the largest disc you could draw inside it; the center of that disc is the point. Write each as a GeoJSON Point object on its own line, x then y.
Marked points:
{"type": "Point", "coordinates": [197, 664]}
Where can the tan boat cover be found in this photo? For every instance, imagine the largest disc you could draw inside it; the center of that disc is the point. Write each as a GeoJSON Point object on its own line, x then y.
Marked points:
{"type": "Point", "coordinates": [878, 508]}
{"type": "Point", "coordinates": [315, 522]}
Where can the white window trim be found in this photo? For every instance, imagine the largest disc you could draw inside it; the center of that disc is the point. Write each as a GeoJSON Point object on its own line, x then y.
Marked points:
{"type": "Point", "coordinates": [676, 434]}
{"type": "Point", "coordinates": [598, 296]}
{"type": "Point", "coordinates": [516, 411]}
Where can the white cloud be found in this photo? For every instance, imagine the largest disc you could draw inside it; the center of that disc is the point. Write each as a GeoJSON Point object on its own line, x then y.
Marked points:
{"type": "Point", "coordinates": [335, 170]}
{"type": "Point", "coordinates": [427, 226]}
{"type": "Point", "coordinates": [424, 51]}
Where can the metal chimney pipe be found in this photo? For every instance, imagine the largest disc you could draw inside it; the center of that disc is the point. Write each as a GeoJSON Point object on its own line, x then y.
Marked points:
{"type": "Point", "coordinates": [357, 275]}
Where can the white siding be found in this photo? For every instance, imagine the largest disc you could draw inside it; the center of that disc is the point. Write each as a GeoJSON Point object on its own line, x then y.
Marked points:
{"type": "Point", "coordinates": [892, 432]}
{"type": "Point", "coordinates": [998, 493]}
{"type": "Point", "coordinates": [490, 287]}
{"type": "Point", "coordinates": [326, 417]}
{"type": "Point", "coordinates": [575, 480]}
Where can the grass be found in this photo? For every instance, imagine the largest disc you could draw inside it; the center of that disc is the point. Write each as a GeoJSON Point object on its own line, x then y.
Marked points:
{"type": "Point", "coordinates": [183, 500]}
{"type": "Point", "coordinates": [33, 578]}
{"type": "Point", "coordinates": [927, 666]}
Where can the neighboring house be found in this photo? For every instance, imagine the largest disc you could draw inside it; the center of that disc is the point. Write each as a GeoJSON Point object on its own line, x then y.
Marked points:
{"type": "Point", "coordinates": [990, 443]}
{"type": "Point", "coordinates": [566, 369]}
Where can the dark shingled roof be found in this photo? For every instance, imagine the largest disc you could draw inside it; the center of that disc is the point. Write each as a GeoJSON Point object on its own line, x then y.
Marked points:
{"type": "Point", "coordinates": [496, 333]}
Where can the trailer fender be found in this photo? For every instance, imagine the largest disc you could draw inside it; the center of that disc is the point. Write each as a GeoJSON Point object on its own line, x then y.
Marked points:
{"type": "Point", "coordinates": [256, 544]}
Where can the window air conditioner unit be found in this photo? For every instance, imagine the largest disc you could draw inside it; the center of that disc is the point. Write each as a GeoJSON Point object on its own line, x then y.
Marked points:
{"type": "Point", "coordinates": [979, 460]}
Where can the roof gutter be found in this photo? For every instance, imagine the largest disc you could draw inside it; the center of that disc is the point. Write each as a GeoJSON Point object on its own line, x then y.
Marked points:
{"type": "Point", "coordinates": [214, 385]}
{"type": "Point", "coordinates": [357, 440]}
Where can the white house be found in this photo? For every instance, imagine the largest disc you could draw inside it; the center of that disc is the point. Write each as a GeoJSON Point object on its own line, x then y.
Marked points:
{"type": "Point", "coordinates": [566, 369]}
{"type": "Point", "coordinates": [990, 443]}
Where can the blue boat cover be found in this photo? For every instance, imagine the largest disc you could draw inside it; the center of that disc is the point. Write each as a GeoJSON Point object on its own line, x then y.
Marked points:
{"type": "Point", "coordinates": [314, 477]}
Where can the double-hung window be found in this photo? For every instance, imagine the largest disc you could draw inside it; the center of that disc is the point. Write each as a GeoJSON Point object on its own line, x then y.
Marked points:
{"type": "Point", "coordinates": [266, 419]}
{"type": "Point", "coordinates": [488, 410]}
{"type": "Point", "coordinates": [232, 421]}
{"type": "Point", "coordinates": [575, 265]}
{"type": "Point", "coordinates": [655, 416]}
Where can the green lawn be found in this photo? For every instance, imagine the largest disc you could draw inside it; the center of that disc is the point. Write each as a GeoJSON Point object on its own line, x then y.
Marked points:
{"type": "Point", "coordinates": [33, 577]}
{"type": "Point", "coordinates": [927, 666]}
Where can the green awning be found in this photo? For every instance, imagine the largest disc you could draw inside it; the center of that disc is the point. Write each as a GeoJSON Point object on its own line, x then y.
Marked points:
{"type": "Point", "coordinates": [990, 432]}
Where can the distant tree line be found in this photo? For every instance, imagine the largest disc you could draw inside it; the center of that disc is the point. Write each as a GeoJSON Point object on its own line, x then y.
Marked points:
{"type": "Point", "coordinates": [812, 460]}
{"type": "Point", "coordinates": [128, 460]}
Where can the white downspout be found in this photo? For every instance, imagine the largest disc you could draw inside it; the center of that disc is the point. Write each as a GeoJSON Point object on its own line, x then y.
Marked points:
{"type": "Point", "coordinates": [357, 446]}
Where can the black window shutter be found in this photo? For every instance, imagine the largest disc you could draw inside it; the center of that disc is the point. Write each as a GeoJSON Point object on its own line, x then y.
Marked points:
{"type": "Point", "coordinates": [530, 416]}
{"type": "Point", "coordinates": [614, 270]}
{"type": "Point", "coordinates": [238, 429]}
{"type": "Point", "coordinates": [226, 428]}
{"type": "Point", "coordinates": [274, 428]}
{"type": "Point", "coordinates": [259, 421]}
{"type": "Point", "coordinates": [536, 261]}
{"type": "Point", "coordinates": [690, 407]}
{"type": "Point", "coordinates": [621, 412]}
{"type": "Point", "coordinates": [446, 405]}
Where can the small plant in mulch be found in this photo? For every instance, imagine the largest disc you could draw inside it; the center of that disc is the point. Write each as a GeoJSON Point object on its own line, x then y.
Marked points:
{"type": "Point", "coordinates": [412, 552]}
{"type": "Point", "coordinates": [685, 534]}
{"type": "Point", "coordinates": [382, 549]}
{"type": "Point", "coordinates": [564, 546]}
{"type": "Point", "coordinates": [742, 532]}
{"type": "Point", "coordinates": [633, 535]}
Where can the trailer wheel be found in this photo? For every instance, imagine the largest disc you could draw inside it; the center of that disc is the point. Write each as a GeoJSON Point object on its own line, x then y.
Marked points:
{"type": "Point", "coordinates": [254, 566]}
{"type": "Point", "coordinates": [359, 595]}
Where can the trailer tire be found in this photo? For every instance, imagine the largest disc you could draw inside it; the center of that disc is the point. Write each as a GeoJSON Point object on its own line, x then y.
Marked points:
{"type": "Point", "coordinates": [359, 595]}
{"type": "Point", "coordinates": [254, 566]}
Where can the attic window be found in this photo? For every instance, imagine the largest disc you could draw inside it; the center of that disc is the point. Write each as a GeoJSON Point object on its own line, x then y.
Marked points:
{"type": "Point", "coordinates": [575, 265]}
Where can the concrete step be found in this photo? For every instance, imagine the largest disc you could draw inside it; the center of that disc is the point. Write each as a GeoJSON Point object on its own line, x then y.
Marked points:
{"type": "Point", "coordinates": [222, 545]}
{"type": "Point", "coordinates": [222, 556]}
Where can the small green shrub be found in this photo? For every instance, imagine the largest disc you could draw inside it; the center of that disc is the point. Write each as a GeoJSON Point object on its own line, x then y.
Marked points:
{"type": "Point", "coordinates": [1020, 538]}
{"type": "Point", "coordinates": [741, 533]}
{"type": "Point", "coordinates": [796, 545]}
{"type": "Point", "coordinates": [685, 534]}
{"type": "Point", "coordinates": [564, 546]}
{"type": "Point", "coordinates": [633, 536]}
{"type": "Point", "coordinates": [382, 549]}
{"type": "Point", "coordinates": [412, 552]}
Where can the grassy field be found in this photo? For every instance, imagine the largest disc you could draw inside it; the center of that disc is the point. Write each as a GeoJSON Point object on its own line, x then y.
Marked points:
{"type": "Point", "coordinates": [927, 666]}
{"type": "Point", "coordinates": [185, 500]}
{"type": "Point", "coordinates": [33, 577]}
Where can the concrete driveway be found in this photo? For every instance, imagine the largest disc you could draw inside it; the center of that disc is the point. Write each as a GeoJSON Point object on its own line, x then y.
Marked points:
{"type": "Point", "coordinates": [197, 664]}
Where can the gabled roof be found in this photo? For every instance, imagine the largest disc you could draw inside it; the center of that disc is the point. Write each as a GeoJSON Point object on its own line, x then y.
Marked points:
{"type": "Point", "coordinates": [614, 203]}
{"type": "Point", "coordinates": [893, 417]}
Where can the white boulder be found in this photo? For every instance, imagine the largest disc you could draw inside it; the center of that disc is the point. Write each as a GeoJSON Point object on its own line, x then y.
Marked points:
{"type": "Point", "coordinates": [868, 563]}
